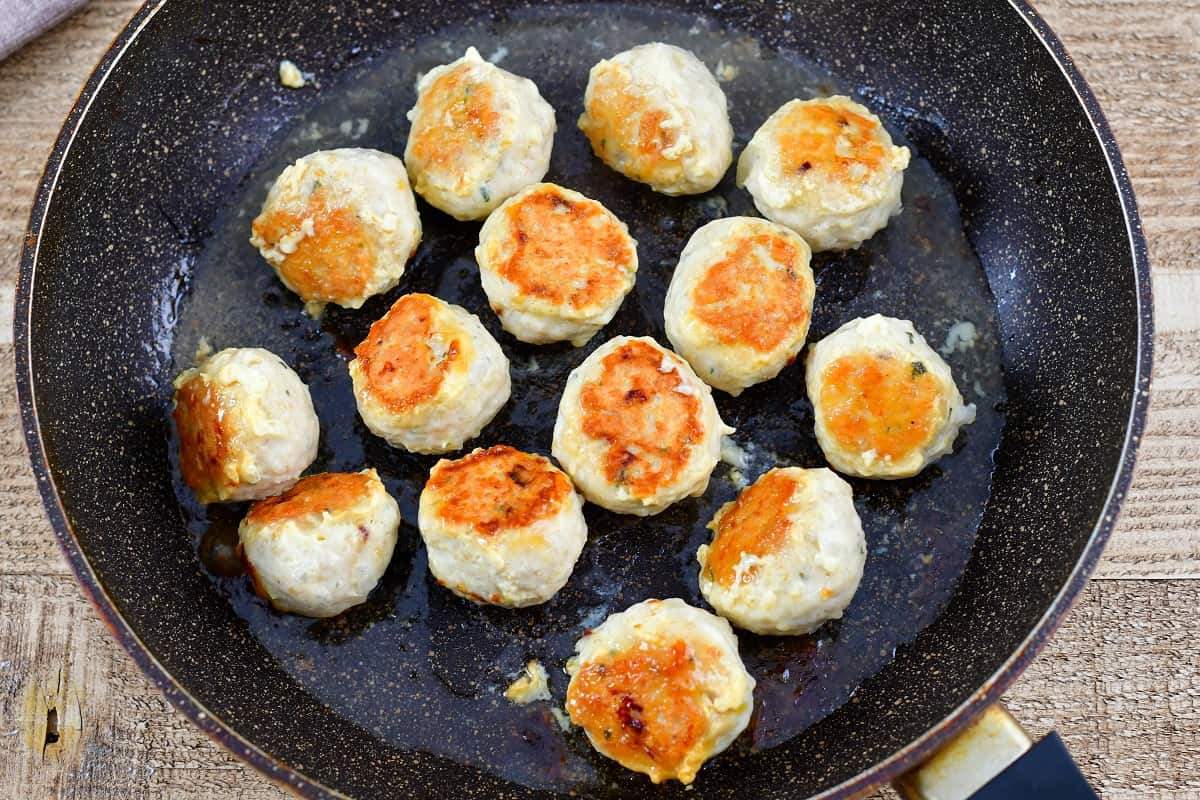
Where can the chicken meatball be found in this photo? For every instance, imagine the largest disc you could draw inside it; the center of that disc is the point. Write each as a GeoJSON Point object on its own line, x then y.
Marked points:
{"type": "Point", "coordinates": [787, 555]}
{"type": "Point", "coordinates": [321, 547]}
{"type": "Point", "coordinates": [740, 301]}
{"type": "Point", "coordinates": [501, 526]}
{"type": "Point", "coordinates": [636, 429]}
{"type": "Point", "coordinates": [555, 265]}
{"type": "Point", "coordinates": [479, 135]}
{"type": "Point", "coordinates": [827, 169]}
{"type": "Point", "coordinates": [657, 115]}
{"type": "Point", "coordinates": [885, 403]}
{"type": "Point", "coordinates": [660, 688]}
{"type": "Point", "coordinates": [429, 376]}
{"type": "Point", "coordinates": [339, 226]}
{"type": "Point", "coordinates": [246, 425]}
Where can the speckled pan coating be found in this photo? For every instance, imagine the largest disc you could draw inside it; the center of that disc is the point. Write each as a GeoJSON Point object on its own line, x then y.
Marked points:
{"type": "Point", "coordinates": [180, 111]}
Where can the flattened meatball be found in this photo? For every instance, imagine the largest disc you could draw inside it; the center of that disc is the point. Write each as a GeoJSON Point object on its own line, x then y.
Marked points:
{"type": "Point", "coordinates": [429, 376]}
{"type": "Point", "coordinates": [885, 403]}
{"type": "Point", "coordinates": [555, 265]}
{"type": "Point", "coordinates": [320, 548]}
{"type": "Point", "coordinates": [660, 688]}
{"type": "Point", "coordinates": [501, 526]}
{"type": "Point", "coordinates": [787, 555]}
{"type": "Point", "coordinates": [636, 429]}
{"type": "Point", "coordinates": [827, 169]}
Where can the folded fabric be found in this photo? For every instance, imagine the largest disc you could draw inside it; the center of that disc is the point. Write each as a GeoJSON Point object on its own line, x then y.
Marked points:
{"type": "Point", "coordinates": [23, 20]}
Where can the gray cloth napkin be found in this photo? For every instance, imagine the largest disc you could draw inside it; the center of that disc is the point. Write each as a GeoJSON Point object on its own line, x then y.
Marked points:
{"type": "Point", "coordinates": [22, 20]}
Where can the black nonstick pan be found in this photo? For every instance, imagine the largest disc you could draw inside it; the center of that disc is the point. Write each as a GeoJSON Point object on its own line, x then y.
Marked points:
{"type": "Point", "coordinates": [1018, 253]}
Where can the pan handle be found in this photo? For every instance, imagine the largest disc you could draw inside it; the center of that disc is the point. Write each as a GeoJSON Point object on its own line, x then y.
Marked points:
{"type": "Point", "coordinates": [994, 759]}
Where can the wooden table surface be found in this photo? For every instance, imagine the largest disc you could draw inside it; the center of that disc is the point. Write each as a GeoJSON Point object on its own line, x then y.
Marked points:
{"type": "Point", "coordinates": [1120, 681]}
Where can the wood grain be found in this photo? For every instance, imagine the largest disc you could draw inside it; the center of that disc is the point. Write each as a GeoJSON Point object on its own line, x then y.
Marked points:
{"type": "Point", "coordinates": [1120, 680]}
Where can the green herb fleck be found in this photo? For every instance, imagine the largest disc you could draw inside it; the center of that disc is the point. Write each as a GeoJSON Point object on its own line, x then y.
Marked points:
{"type": "Point", "coordinates": [918, 369]}
{"type": "Point", "coordinates": [485, 194]}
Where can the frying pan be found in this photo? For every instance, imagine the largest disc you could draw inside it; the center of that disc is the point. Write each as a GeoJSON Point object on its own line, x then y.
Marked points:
{"type": "Point", "coordinates": [1019, 219]}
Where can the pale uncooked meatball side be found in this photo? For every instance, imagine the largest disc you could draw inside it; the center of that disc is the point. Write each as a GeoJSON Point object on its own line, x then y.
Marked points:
{"type": "Point", "coordinates": [479, 135]}
{"type": "Point", "coordinates": [740, 301]}
{"type": "Point", "coordinates": [429, 377]}
{"type": "Point", "coordinates": [607, 435]}
{"type": "Point", "coordinates": [885, 403]}
{"type": "Point", "coordinates": [787, 555]}
{"type": "Point", "coordinates": [501, 527]}
{"type": "Point", "coordinates": [321, 547]}
{"type": "Point", "coordinates": [656, 114]}
{"type": "Point", "coordinates": [246, 424]}
{"type": "Point", "coordinates": [642, 664]}
{"type": "Point", "coordinates": [555, 264]}
{"type": "Point", "coordinates": [339, 226]}
{"type": "Point", "coordinates": [827, 169]}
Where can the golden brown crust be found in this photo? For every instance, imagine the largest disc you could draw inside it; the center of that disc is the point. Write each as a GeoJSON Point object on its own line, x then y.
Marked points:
{"type": "Point", "coordinates": [650, 427]}
{"type": "Point", "coordinates": [744, 300]}
{"type": "Point", "coordinates": [456, 118]}
{"type": "Point", "coordinates": [643, 707]}
{"type": "Point", "coordinates": [756, 524]}
{"type": "Point", "coordinates": [879, 402]}
{"type": "Point", "coordinates": [400, 368]}
{"type": "Point", "coordinates": [328, 492]}
{"type": "Point", "coordinates": [205, 438]}
{"type": "Point", "coordinates": [334, 263]}
{"type": "Point", "coordinates": [497, 488]}
{"type": "Point", "coordinates": [624, 129]}
{"type": "Point", "coordinates": [565, 251]}
{"type": "Point", "coordinates": [809, 136]}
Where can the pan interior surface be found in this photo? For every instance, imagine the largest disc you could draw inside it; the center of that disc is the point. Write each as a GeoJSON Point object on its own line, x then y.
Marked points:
{"type": "Point", "coordinates": [1011, 222]}
{"type": "Point", "coordinates": [442, 659]}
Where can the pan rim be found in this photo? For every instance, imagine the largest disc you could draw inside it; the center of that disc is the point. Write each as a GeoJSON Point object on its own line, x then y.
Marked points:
{"type": "Point", "coordinates": [291, 778]}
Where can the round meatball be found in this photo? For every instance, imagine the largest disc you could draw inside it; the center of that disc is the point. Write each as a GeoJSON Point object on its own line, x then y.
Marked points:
{"type": "Point", "coordinates": [555, 265]}
{"type": "Point", "coordinates": [787, 555]}
{"type": "Point", "coordinates": [479, 135]}
{"type": "Point", "coordinates": [429, 376]}
{"type": "Point", "coordinates": [885, 403]}
{"type": "Point", "coordinates": [321, 547]}
{"type": "Point", "coordinates": [246, 425]}
{"type": "Point", "coordinates": [740, 301]}
{"type": "Point", "coordinates": [339, 226]}
{"type": "Point", "coordinates": [501, 526]}
{"type": "Point", "coordinates": [827, 169]}
{"type": "Point", "coordinates": [636, 429]}
{"type": "Point", "coordinates": [657, 115]}
{"type": "Point", "coordinates": [660, 688]}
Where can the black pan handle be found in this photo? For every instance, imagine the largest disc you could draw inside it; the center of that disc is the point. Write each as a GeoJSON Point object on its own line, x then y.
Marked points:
{"type": "Point", "coordinates": [994, 759]}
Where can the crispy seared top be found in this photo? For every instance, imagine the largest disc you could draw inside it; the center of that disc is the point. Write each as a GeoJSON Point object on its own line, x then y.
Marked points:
{"type": "Point", "coordinates": [565, 251]}
{"type": "Point", "coordinates": [638, 407]}
{"type": "Point", "coordinates": [328, 493]}
{"type": "Point", "coordinates": [407, 354]}
{"type": "Point", "coordinates": [758, 294]}
{"type": "Point", "coordinates": [457, 122]}
{"type": "Point", "coordinates": [881, 402]}
{"type": "Point", "coordinates": [643, 707]}
{"type": "Point", "coordinates": [497, 488]}
{"type": "Point", "coordinates": [833, 140]}
{"type": "Point", "coordinates": [755, 524]}
{"type": "Point", "coordinates": [334, 257]}
{"type": "Point", "coordinates": [626, 128]}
